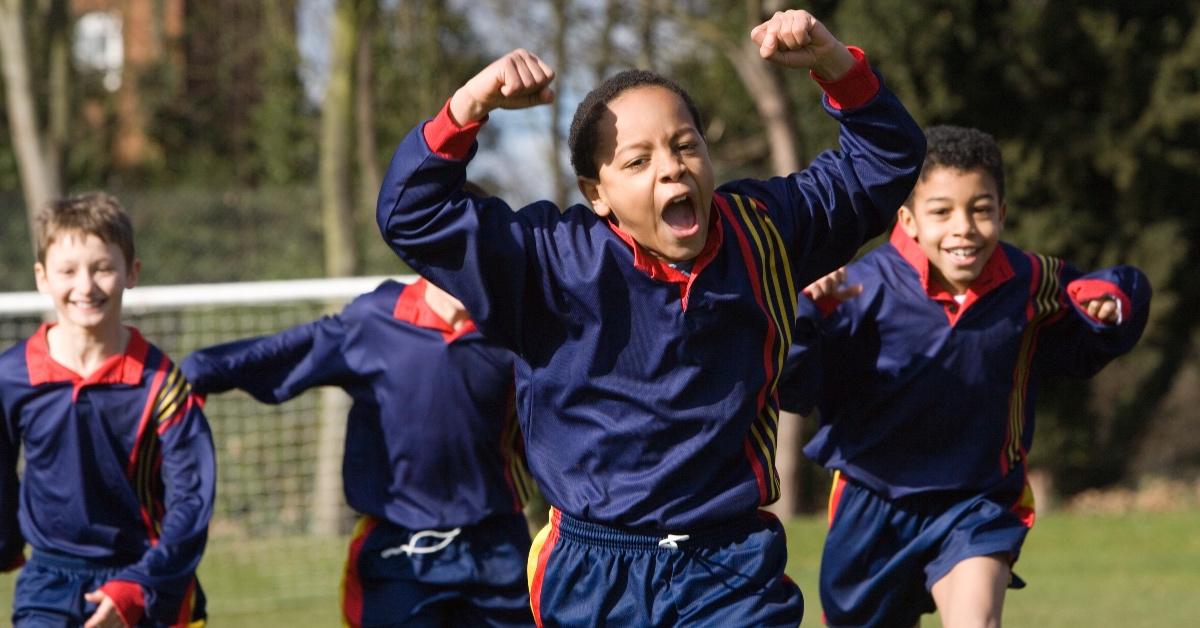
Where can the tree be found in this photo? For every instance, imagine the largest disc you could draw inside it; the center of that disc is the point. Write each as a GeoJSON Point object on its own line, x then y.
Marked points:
{"type": "Point", "coordinates": [38, 155]}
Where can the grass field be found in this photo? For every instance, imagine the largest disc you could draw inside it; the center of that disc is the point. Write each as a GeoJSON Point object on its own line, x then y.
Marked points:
{"type": "Point", "coordinates": [1123, 571]}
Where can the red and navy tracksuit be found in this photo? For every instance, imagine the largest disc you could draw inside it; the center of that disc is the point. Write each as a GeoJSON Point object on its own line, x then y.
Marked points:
{"type": "Point", "coordinates": [433, 454]}
{"type": "Point", "coordinates": [117, 489]}
{"type": "Point", "coordinates": [927, 413]}
{"type": "Point", "coordinates": [647, 395]}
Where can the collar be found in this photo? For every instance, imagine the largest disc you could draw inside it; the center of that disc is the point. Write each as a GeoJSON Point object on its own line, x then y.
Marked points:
{"type": "Point", "coordinates": [123, 368]}
{"type": "Point", "coordinates": [996, 270]}
{"type": "Point", "coordinates": [412, 308]}
{"type": "Point", "coordinates": [660, 270]}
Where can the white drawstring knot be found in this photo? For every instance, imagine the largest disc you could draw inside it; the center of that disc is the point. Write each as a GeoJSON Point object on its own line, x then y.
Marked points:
{"type": "Point", "coordinates": [671, 541]}
{"type": "Point", "coordinates": [411, 546]}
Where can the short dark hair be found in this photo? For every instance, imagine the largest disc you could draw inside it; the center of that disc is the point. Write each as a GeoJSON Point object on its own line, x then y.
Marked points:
{"type": "Point", "coordinates": [963, 148]}
{"type": "Point", "coordinates": [583, 140]}
{"type": "Point", "coordinates": [94, 213]}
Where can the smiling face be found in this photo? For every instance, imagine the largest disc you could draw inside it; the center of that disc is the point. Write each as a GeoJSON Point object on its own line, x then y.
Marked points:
{"type": "Point", "coordinates": [654, 176]}
{"type": "Point", "coordinates": [85, 277]}
{"type": "Point", "coordinates": [956, 217]}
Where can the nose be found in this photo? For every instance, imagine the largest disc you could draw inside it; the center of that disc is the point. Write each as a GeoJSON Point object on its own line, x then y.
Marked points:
{"type": "Point", "coordinates": [962, 222]}
{"type": "Point", "coordinates": [671, 167]}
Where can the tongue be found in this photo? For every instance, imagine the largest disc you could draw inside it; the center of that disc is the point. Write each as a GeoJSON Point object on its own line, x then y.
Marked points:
{"type": "Point", "coordinates": [679, 216]}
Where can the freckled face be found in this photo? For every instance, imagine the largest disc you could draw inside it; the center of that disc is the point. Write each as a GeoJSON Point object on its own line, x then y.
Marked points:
{"type": "Point", "coordinates": [655, 177]}
{"type": "Point", "coordinates": [956, 217]}
{"type": "Point", "coordinates": [85, 277]}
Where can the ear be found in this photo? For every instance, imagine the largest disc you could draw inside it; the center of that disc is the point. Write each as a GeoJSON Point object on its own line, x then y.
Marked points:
{"type": "Point", "coordinates": [1003, 213]}
{"type": "Point", "coordinates": [591, 190]}
{"type": "Point", "coordinates": [135, 271]}
{"type": "Point", "coordinates": [908, 221]}
{"type": "Point", "coordinates": [39, 277]}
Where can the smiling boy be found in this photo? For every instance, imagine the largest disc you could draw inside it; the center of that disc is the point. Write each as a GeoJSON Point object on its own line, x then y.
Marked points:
{"type": "Point", "coordinates": [929, 383]}
{"type": "Point", "coordinates": [650, 328]}
{"type": "Point", "coordinates": [118, 483]}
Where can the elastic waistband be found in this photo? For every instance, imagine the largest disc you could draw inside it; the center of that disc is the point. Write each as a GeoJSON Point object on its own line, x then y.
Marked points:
{"type": "Point", "coordinates": [608, 536]}
{"type": "Point", "coordinates": [69, 562]}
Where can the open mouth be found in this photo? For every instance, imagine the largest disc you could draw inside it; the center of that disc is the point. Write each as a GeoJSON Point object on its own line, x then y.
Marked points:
{"type": "Point", "coordinates": [680, 217]}
{"type": "Point", "coordinates": [963, 255]}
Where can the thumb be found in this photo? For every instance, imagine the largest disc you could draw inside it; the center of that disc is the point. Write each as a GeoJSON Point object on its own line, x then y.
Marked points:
{"type": "Point", "coordinates": [95, 597]}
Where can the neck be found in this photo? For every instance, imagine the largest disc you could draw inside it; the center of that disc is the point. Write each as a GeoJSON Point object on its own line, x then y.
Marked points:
{"type": "Point", "coordinates": [445, 306]}
{"type": "Point", "coordinates": [83, 350]}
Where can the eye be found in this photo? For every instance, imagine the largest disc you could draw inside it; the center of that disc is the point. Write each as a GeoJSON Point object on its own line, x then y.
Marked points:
{"type": "Point", "coordinates": [637, 163]}
{"type": "Point", "coordinates": [686, 147]}
{"type": "Point", "coordinates": [982, 209]}
{"type": "Point", "coordinates": [939, 212]}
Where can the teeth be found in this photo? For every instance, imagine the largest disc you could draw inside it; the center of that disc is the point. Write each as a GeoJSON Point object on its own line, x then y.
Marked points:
{"type": "Point", "coordinates": [679, 199]}
{"type": "Point", "coordinates": [962, 253]}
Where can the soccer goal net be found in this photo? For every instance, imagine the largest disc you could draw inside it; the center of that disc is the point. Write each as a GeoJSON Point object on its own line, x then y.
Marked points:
{"type": "Point", "coordinates": [278, 533]}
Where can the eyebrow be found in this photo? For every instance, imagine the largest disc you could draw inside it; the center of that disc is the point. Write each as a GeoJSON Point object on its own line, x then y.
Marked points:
{"type": "Point", "coordinates": [947, 199]}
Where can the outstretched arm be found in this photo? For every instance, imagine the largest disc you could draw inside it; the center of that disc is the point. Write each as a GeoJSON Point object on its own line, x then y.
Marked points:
{"type": "Point", "coordinates": [273, 369]}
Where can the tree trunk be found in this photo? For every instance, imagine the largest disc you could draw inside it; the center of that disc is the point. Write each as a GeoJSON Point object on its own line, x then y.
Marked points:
{"type": "Point", "coordinates": [59, 22]}
{"type": "Point", "coordinates": [770, 99]}
{"type": "Point", "coordinates": [604, 44]}
{"type": "Point", "coordinates": [646, 22]}
{"type": "Point", "coordinates": [340, 252]}
{"type": "Point", "coordinates": [369, 175]}
{"type": "Point", "coordinates": [39, 183]}
{"type": "Point", "coordinates": [561, 63]}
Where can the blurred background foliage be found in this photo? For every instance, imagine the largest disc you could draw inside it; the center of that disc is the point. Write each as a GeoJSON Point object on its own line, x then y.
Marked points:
{"type": "Point", "coordinates": [244, 136]}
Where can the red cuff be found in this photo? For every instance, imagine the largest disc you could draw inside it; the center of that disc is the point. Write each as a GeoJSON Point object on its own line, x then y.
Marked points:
{"type": "Point", "coordinates": [127, 597]}
{"type": "Point", "coordinates": [1083, 290]}
{"type": "Point", "coordinates": [825, 305]}
{"type": "Point", "coordinates": [855, 88]}
{"type": "Point", "coordinates": [446, 138]}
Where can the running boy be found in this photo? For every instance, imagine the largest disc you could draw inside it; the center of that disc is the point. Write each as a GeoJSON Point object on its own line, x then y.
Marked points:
{"type": "Point", "coordinates": [930, 376]}
{"type": "Point", "coordinates": [432, 456]}
{"type": "Point", "coordinates": [119, 470]}
{"type": "Point", "coordinates": [651, 328]}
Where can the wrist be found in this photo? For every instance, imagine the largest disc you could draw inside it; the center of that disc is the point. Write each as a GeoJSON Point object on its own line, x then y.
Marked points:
{"type": "Point", "coordinates": [835, 65]}
{"type": "Point", "coordinates": [465, 109]}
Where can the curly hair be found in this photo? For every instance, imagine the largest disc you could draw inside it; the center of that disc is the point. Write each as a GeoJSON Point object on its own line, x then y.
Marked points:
{"type": "Point", "coordinates": [964, 149]}
{"type": "Point", "coordinates": [583, 139]}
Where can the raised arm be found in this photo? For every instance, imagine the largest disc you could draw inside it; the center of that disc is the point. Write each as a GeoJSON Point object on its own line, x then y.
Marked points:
{"type": "Point", "coordinates": [828, 210]}
{"type": "Point", "coordinates": [476, 249]}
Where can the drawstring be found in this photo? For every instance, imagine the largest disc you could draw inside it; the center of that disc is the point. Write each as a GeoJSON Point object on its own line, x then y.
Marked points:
{"type": "Point", "coordinates": [411, 546]}
{"type": "Point", "coordinates": [671, 541]}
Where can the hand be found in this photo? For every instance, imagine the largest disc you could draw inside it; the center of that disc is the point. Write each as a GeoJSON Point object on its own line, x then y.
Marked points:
{"type": "Point", "coordinates": [1107, 310]}
{"type": "Point", "coordinates": [106, 615]}
{"type": "Point", "coordinates": [517, 80]}
{"type": "Point", "coordinates": [833, 286]}
{"type": "Point", "coordinates": [796, 39]}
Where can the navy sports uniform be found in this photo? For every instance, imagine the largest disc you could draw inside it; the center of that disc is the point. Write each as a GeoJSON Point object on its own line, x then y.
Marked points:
{"type": "Point", "coordinates": [927, 414]}
{"type": "Point", "coordinates": [648, 395]}
{"type": "Point", "coordinates": [117, 489]}
{"type": "Point", "coordinates": [432, 454]}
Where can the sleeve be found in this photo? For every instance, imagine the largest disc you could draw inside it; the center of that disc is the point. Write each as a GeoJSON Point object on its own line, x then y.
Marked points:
{"type": "Point", "coordinates": [1077, 345]}
{"type": "Point", "coordinates": [477, 249]}
{"type": "Point", "coordinates": [274, 369]}
{"type": "Point", "coordinates": [165, 573]}
{"type": "Point", "coordinates": [12, 543]}
{"type": "Point", "coordinates": [845, 197]}
{"type": "Point", "coordinates": [800, 381]}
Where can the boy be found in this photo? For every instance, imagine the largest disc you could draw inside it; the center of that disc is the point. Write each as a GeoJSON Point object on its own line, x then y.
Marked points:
{"type": "Point", "coordinates": [119, 469]}
{"type": "Point", "coordinates": [929, 383]}
{"type": "Point", "coordinates": [651, 328]}
{"type": "Point", "coordinates": [432, 455]}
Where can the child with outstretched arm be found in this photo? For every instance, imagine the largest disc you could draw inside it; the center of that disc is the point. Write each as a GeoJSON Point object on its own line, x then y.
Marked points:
{"type": "Point", "coordinates": [119, 474]}
{"type": "Point", "coordinates": [650, 328]}
{"type": "Point", "coordinates": [432, 458]}
{"type": "Point", "coordinates": [929, 377]}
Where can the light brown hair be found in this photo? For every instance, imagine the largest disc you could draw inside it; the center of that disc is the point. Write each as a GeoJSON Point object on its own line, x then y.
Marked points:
{"type": "Point", "coordinates": [94, 213]}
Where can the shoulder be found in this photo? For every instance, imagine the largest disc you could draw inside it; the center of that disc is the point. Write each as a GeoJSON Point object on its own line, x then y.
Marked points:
{"type": "Point", "coordinates": [14, 370]}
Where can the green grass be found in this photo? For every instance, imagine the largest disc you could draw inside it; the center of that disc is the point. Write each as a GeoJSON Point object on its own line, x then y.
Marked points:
{"type": "Point", "coordinates": [1125, 570]}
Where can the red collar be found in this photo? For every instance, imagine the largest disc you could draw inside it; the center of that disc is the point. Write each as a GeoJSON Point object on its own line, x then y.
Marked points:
{"type": "Point", "coordinates": [123, 368]}
{"type": "Point", "coordinates": [996, 271]}
{"type": "Point", "coordinates": [659, 270]}
{"type": "Point", "coordinates": [412, 308]}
